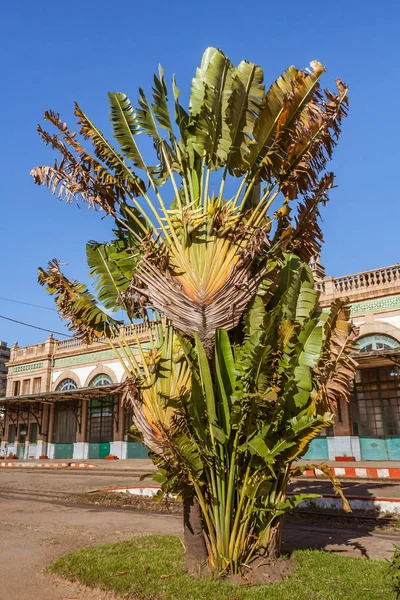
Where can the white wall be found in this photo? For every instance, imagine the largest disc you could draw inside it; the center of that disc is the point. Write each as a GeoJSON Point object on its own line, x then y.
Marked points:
{"type": "Point", "coordinates": [344, 445]}
{"type": "Point", "coordinates": [83, 373]}
{"type": "Point", "coordinates": [395, 321]}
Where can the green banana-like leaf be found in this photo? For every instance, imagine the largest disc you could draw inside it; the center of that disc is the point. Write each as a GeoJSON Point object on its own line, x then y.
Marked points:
{"type": "Point", "coordinates": [76, 304]}
{"type": "Point", "coordinates": [197, 407]}
{"type": "Point", "coordinates": [146, 118]}
{"type": "Point", "coordinates": [244, 107]}
{"type": "Point", "coordinates": [112, 267]}
{"type": "Point", "coordinates": [226, 376]}
{"type": "Point", "coordinates": [160, 102]}
{"type": "Point", "coordinates": [125, 127]}
{"type": "Point", "coordinates": [254, 315]}
{"type": "Point", "coordinates": [310, 339]}
{"type": "Point", "coordinates": [293, 502]}
{"type": "Point", "coordinates": [306, 302]}
{"type": "Point", "coordinates": [257, 445]}
{"type": "Point", "coordinates": [211, 89]}
{"type": "Point", "coordinates": [180, 114]}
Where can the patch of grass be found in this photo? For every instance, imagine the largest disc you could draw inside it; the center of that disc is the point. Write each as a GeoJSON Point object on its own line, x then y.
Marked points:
{"type": "Point", "coordinates": [152, 568]}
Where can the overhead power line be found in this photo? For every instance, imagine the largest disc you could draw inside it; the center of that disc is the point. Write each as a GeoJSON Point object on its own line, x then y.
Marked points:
{"type": "Point", "coordinates": [28, 304]}
{"type": "Point", "coordinates": [35, 326]}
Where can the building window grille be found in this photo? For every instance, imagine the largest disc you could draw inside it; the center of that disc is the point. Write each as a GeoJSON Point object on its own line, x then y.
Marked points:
{"type": "Point", "coordinates": [33, 431]}
{"type": "Point", "coordinates": [37, 385]}
{"type": "Point", "coordinates": [99, 380]}
{"type": "Point", "coordinates": [376, 342]}
{"type": "Point", "coordinates": [66, 384]}
{"type": "Point", "coordinates": [12, 433]}
{"type": "Point", "coordinates": [25, 386]}
{"type": "Point", "coordinates": [375, 404]}
{"type": "Point", "coordinates": [101, 420]}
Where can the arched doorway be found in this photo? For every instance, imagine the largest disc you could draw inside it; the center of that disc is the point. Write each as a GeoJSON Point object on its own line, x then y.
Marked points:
{"type": "Point", "coordinates": [375, 403]}
{"type": "Point", "coordinates": [65, 422]}
{"type": "Point", "coordinates": [100, 420]}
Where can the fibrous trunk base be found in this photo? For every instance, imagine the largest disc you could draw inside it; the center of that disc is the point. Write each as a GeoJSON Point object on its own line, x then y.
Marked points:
{"type": "Point", "coordinates": [196, 550]}
{"type": "Point", "coordinates": [273, 549]}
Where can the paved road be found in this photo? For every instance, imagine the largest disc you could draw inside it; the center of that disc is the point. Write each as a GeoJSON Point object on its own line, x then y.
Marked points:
{"type": "Point", "coordinates": [35, 528]}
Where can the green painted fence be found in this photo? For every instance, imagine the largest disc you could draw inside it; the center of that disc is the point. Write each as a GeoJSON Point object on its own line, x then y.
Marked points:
{"type": "Point", "coordinates": [99, 450]}
{"type": "Point", "coordinates": [63, 451]}
{"type": "Point", "coordinates": [375, 448]}
{"type": "Point", "coordinates": [318, 449]}
{"type": "Point", "coordinates": [136, 450]}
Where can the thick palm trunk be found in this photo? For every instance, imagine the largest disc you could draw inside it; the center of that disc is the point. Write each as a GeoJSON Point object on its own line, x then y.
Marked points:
{"type": "Point", "coordinates": [196, 551]}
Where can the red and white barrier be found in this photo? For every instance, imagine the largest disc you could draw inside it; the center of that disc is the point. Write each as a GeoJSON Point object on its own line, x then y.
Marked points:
{"type": "Point", "coordinates": [53, 465]}
{"type": "Point", "coordinates": [357, 472]}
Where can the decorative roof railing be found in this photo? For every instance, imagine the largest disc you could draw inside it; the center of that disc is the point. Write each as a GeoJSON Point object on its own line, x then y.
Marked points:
{"type": "Point", "coordinates": [52, 347]}
{"type": "Point", "coordinates": [363, 284]}
{"type": "Point", "coordinates": [28, 351]}
{"type": "Point", "coordinates": [126, 330]}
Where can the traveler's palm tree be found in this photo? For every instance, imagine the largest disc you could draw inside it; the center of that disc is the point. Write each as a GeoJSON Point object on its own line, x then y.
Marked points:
{"type": "Point", "coordinates": [246, 370]}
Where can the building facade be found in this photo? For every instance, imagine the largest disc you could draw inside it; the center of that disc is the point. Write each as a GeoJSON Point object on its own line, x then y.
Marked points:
{"type": "Point", "coordinates": [63, 397]}
{"type": "Point", "coordinates": [368, 426]}
{"type": "Point", "coordinates": [63, 401]}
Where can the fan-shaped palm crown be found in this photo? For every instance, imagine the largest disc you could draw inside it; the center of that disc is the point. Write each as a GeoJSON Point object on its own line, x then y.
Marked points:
{"type": "Point", "coordinates": [197, 230]}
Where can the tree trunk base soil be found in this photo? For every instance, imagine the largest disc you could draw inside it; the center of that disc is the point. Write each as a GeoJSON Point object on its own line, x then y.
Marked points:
{"type": "Point", "coordinates": [196, 550]}
{"type": "Point", "coordinates": [264, 570]}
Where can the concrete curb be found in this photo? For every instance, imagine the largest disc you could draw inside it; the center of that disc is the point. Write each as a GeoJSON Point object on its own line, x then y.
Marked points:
{"type": "Point", "coordinates": [58, 465]}
{"type": "Point", "coordinates": [357, 473]}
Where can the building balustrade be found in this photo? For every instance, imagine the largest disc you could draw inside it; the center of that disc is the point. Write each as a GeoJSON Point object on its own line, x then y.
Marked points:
{"type": "Point", "coordinates": [28, 352]}
{"type": "Point", "coordinates": [128, 331]}
{"type": "Point", "coordinates": [52, 347]}
{"type": "Point", "coordinates": [360, 285]}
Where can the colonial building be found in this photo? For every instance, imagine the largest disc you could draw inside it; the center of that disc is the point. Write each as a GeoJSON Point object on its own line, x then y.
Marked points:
{"type": "Point", "coordinates": [63, 396]}
{"type": "Point", "coordinates": [63, 401]}
{"type": "Point", "coordinates": [368, 427]}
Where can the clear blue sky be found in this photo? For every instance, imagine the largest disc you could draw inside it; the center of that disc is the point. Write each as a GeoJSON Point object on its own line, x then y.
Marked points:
{"type": "Point", "coordinates": [55, 53]}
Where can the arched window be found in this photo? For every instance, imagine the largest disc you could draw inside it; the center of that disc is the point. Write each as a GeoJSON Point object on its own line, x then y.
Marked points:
{"type": "Point", "coordinates": [101, 379]}
{"type": "Point", "coordinates": [66, 384]}
{"type": "Point", "coordinates": [377, 341]}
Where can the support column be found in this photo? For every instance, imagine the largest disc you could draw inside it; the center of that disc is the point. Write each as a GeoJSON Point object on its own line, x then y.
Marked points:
{"type": "Point", "coordinates": [81, 436]}
{"type": "Point", "coordinates": [81, 447]}
{"type": "Point", "coordinates": [118, 447]}
{"type": "Point", "coordinates": [343, 427]}
{"type": "Point", "coordinates": [4, 441]}
{"type": "Point", "coordinates": [44, 447]}
{"type": "Point", "coordinates": [343, 443]}
{"type": "Point", "coordinates": [119, 432]}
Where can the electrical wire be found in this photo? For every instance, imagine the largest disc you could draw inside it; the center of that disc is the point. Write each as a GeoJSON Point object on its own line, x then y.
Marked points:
{"type": "Point", "coordinates": [35, 326]}
{"type": "Point", "coordinates": [28, 304]}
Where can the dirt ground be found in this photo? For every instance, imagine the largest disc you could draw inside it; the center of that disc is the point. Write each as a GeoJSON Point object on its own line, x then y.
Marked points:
{"type": "Point", "coordinates": [38, 523]}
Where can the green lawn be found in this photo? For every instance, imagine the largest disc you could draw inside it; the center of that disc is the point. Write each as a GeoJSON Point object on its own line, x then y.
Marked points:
{"type": "Point", "coordinates": [150, 568]}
